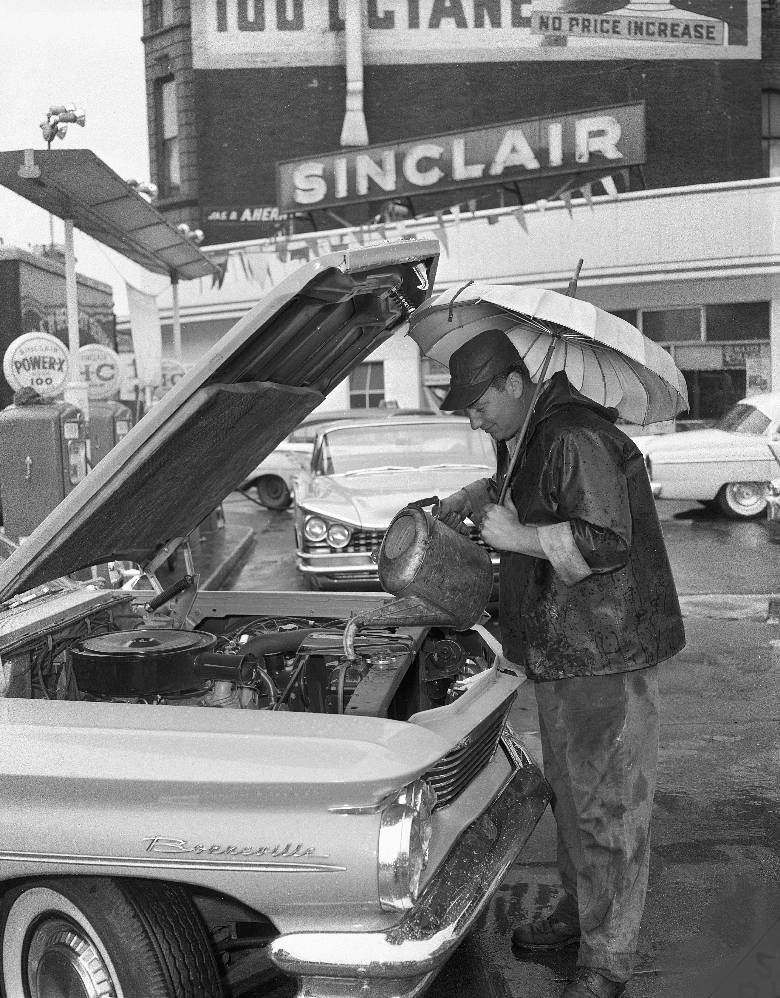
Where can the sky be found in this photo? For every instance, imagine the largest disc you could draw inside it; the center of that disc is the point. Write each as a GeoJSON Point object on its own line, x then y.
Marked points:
{"type": "Point", "coordinates": [88, 53]}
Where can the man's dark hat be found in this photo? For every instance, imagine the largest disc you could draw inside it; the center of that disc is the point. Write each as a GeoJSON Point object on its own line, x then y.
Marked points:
{"type": "Point", "coordinates": [474, 365]}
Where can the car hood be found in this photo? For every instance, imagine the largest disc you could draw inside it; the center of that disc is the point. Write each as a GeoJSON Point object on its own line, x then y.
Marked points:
{"type": "Point", "coordinates": [710, 441]}
{"type": "Point", "coordinates": [248, 392]}
{"type": "Point", "coordinates": [371, 499]}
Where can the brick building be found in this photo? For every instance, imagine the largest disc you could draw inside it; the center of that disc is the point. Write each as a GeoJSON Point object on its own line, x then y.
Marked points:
{"type": "Point", "coordinates": [236, 87]}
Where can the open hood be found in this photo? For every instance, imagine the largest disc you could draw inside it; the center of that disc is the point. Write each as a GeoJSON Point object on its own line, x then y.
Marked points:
{"type": "Point", "coordinates": [241, 400]}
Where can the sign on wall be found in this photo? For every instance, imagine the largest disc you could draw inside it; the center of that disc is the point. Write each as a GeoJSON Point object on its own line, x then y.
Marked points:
{"type": "Point", "coordinates": [232, 34]}
{"type": "Point", "coordinates": [600, 139]}
{"type": "Point", "coordinates": [36, 360]}
{"type": "Point", "coordinates": [262, 219]}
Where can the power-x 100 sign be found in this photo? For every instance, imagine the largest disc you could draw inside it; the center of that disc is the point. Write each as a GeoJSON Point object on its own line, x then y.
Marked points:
{"type": "Point", "coordinates": [604, 138]}
{"type": "Point", "coordinates": [36, 360]}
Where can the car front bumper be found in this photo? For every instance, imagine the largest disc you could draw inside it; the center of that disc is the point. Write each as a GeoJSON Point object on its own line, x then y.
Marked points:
{"type": "Point", "coordinates": [402, 960]}
{"type": "Point", "coordinates": [346, 566]}
{"type": "Point", "coordinates": [338, 565]}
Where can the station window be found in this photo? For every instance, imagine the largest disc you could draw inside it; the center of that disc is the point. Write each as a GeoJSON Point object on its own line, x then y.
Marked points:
{"type": "Point", "coordinates": [742, 321]}
{"type": "Point", "coordinates": [770, 132]}
{"type": "Point", "coordinates": [367, 386]}
{"type": "Point", "coordinates": [673, 325]}
{"type": "Point", "coordinates": [160, 14]}
{"type": "Point", "coordinates": [168, 131]}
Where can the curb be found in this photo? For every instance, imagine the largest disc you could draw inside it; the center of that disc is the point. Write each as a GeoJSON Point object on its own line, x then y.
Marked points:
{"type": "Point", "coordinates": [231, 562]}
{"type": "Point", "coordinates": [761, 607]}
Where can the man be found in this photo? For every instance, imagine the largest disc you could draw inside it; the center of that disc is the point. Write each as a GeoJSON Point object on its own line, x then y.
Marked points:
{"type": "Point", "coordinates": [588, 607]}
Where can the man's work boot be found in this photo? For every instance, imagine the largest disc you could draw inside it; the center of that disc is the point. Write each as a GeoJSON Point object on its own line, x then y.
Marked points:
{"type": "Point", "coordinates": [554, 931]}
{"type": "Point", "coordinates": [590, 983]}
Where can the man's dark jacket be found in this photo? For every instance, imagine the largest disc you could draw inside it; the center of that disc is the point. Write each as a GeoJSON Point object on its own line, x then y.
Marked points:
{"type": "Point", "coordinates": [606, 601]}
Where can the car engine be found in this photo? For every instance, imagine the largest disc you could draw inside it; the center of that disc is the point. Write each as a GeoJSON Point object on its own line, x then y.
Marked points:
{"type": "Point", "coordinates": [265, 663]}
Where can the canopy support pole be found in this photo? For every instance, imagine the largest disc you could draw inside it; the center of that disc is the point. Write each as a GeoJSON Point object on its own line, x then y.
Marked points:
{"type": "Point", "coordinates": [176, 317]}
{"type": "Point", "coordinates": [75, 389]}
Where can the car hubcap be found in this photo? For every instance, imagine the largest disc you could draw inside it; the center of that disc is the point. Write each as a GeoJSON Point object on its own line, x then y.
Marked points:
{"type": "Point", "coordinates": [63, 962]}
{"type": "Point", "coordinates": [746, 496]}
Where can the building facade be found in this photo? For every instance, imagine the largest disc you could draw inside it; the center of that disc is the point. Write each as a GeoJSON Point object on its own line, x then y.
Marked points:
{"type": "Point", "coordinates": [281, 122]}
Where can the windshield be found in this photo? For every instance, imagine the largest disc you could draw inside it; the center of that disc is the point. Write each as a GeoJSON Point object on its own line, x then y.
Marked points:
{"type": "Point", "coordinates": [743, 419]}
{"type": "Point", "coordinates": [403, 446]}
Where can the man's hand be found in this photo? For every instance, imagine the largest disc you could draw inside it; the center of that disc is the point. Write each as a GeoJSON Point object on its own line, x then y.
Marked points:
{"type": "Point", "coordinates": [501, 529]}
{"type": "Point", "coordinates": [454, 509]}
{"type": "Point", "coordinates": [500, 526]}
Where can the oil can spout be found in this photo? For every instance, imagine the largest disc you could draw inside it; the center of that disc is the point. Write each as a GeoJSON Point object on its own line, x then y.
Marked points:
{"type": "Point", "coordinates": [409, 611]}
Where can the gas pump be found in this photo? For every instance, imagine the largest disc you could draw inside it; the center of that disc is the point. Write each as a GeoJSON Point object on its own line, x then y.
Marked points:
{"type": "Point", "coordinates": [109, 422]}
{"type": "Point", "coordinates": [43, 456]}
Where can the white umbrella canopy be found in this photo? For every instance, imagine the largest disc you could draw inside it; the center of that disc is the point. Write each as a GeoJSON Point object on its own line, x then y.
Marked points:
{"type": "Point", "coordinates": [604, 357]}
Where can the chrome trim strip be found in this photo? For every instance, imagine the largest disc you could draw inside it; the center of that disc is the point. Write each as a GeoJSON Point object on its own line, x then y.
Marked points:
{"type": "Point", "coordinates": [148, 862]}
{"type": "Point", "coordinates": [448, 906]}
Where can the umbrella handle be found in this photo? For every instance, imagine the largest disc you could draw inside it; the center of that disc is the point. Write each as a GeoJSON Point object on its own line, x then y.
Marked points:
{"type": "Point", "coordinates": [526, 421]}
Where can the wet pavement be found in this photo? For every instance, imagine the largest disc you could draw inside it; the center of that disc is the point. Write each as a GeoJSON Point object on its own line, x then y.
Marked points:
{"type": "Point", "coordinates": [712, 920]}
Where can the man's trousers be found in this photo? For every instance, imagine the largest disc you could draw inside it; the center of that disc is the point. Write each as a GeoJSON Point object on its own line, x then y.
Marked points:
{"type": "Point", "coordinates": [600, 743]}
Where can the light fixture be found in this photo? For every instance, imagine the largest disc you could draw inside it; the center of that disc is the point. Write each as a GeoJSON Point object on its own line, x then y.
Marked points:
{"type": "Point", "coordinates": [58, 117]}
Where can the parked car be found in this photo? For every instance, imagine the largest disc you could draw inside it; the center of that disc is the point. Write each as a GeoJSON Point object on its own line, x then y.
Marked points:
{"type": "Point", "coordinates": [273, 480]}
{"type": "Point", "coordinates": [199, 791]}
{"type": "Point", "coordinates": [729, 464]}
{"type": "Point", "coordinates": [363, 473]}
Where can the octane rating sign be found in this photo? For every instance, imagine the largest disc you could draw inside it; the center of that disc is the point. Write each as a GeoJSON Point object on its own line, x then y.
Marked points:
{"type": "Point", "coordinates": [172, 371]}
{"type": "Point", "coordinates": [100, 369]}
{"type": "Point", "coordinates": [244, 34]}
{"type": "Point", "coordinates": [36, 360]}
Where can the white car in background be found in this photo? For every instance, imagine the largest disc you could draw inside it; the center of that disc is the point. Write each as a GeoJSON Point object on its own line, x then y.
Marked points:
{"type": "Point", "coordinates": [729, 464]}
{"type": "Point", "coordinates": [272, 481]}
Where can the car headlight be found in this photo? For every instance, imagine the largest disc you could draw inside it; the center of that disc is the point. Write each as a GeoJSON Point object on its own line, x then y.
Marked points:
{"type": "Point", "coordinates": [404, 838]}
{"type": "Point", "coordinates": [338, 535]}
{"type": "Point", "coordinates": [314, 528]}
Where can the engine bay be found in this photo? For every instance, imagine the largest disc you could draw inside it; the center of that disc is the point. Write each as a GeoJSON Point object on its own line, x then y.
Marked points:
{"type": "Point", "coordinates": [277, 663]}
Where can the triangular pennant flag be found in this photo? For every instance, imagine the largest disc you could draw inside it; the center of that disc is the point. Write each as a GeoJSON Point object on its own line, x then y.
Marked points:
{"type": "Point", "coordinates": [492, 220]}
{"type": "Point", "coordinates": [246, 266]}
{"type": "Point", "coordinates": [263, 268]}
{"type": "Point", "coordinates": [587, 193]}
{"type": "Point", "coordinates": [566, 198]}
{"type": "Point", "coordinates": [520, 216]}
{"type": "Point", "coordinates": [221, 264]}
{"type": "Point", "coordinates": [441, 232]}
{"type": "Point", "coordinates": [609, 186]}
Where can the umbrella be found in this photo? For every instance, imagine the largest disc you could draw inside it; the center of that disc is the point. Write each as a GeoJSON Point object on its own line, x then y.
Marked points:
{"type": "Point", "coordinates": [604, 357]}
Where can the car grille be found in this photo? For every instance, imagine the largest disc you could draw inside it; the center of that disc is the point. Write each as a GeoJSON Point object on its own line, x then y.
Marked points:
{"type": "Point", "coordinates": [452, 774]}
{"type": "Point", "coordinates": [371, 540]}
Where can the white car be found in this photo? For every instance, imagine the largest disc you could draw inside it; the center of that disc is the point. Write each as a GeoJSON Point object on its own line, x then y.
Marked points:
{"type": "Point", "coordinates": [729, 464]}
{"type": "Point", "coordinates": [273, 480]}
{"type": "Point", "coordinates": [363, 473]}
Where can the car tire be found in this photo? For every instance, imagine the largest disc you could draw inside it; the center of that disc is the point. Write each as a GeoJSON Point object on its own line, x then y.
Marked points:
{"type": "Point", "coordinates": [742, 500]}
{"type": "Point", "coordinates": [272, 492]}
{"type": "Point", "coordinates": [108, 938]}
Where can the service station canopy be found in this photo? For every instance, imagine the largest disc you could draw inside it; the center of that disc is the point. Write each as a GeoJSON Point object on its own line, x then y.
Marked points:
{"type": "Point", "coordinates": [76, 184]}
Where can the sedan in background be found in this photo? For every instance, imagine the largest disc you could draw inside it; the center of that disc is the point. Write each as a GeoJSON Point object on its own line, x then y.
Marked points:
{"type": "Point", "coordinates": [272, 481]}
{"type": "Point", "coordinates": [729, 465]}
{"type": "Point", "coordinates": [363, 473]}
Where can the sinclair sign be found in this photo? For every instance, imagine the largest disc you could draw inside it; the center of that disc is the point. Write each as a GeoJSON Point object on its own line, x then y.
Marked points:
{"type": "Point", "coordinates": [607, 138]}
